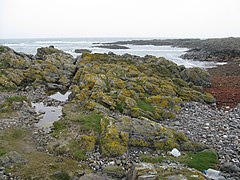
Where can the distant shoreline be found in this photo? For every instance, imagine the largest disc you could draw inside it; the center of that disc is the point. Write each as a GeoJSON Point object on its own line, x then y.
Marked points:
{"type": "Point", "coordinates": [216, 49]}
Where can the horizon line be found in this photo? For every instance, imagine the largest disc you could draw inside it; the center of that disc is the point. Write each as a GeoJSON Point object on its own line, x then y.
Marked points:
{"type": "Point", "coordinates": [128, 37]}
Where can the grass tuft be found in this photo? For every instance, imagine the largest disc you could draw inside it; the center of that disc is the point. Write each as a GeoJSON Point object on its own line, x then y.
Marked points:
{"type": "Point", "coordinates": [58, 127]}
{"type": "Point", "coordinates": [89, 122]}
{"type": "Point", "coordinates": [80, 155]}
{"type": "Point", "coordinates": [149, 159]}
{"type": "Point", "coordinates": [145, 106]}
{"type": "Point", "coordinates": [201, 160]}
{"type": "Point", "coordinates": [16, 99]}
{"type": "Point", "coordinates": [2, 151]}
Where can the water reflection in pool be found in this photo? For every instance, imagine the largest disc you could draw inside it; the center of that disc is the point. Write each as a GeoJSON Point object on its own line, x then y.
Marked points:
{"type": "Point", "coordinates": [50, 114]}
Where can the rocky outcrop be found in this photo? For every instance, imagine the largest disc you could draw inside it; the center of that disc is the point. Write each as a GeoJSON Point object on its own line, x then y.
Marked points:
{"type": "Point", "coordinates": [12, 66]}
{"type": "Point", "coordinates": [196, 76]}
{"type": "Point", "coordinates": [57, 67]}
{"type": "Point", "coordinates": [112, 46]}
{"type": "Point", "coordinates": [50, 66]}
{"type": "Point", "coordinates": [222, 49]}
{"type": "Point", "coordinates": [11, 158]}
{"type": "Point", "coordinates": [82, 51]}
{"type": "Point", "coordinates": [11, 59]}
{"type": "Point", "coordinates": [118, 103]}
{"type": "Point", "coordinates": [225, 49]}
{"type": "Point", "coordinates": [142, 171]}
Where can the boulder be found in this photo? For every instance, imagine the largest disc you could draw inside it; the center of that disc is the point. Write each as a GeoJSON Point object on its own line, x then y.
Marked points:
{"type": "Point", "coordinates": [11, 59]}
{"type": "Point", "coordinates": [12, 158]}
{"type": "Point", "coordinates": [197, 76]}
{"type": "Point", "coordinates": [114, 171]}
{"type": "Point", "coordinates": [230, 168]}
{"type": "Point", "coordinates": [142, 171]}
{"type": "Point", "coordinates": [93, 176]}
{"type": "Point", "coordinates": [82, 51]}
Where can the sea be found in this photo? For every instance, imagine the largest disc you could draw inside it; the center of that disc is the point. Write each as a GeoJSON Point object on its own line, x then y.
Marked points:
{"type": "Point", "coordinates": [29, 46]}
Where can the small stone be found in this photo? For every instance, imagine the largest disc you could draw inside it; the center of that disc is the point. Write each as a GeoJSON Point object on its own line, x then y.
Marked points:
{"type": "Point", "coordinates": [97, 167]}
{"type": "Point", "coordinates": [112, 163]}
{"type": "Point", "coordinates": [225, 136]}
{"type": "Point", "coordinates": [118, 162]}
{"type": "Point", "coordinates": [123, 162]}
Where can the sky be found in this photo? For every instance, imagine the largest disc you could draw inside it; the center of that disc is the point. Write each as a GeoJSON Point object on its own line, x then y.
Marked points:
{"type": "Point", "coordinates": [119, 18]}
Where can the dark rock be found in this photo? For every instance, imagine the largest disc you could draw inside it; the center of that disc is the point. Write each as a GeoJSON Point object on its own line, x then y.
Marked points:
{"type": "Point", "coordinates": [111, 53]}
{"type": "Point", "coordinates": [61, 175]}
{"type": "Point", "coordinates": [112, 46]}
{"type": "Point", "coordinates": [55, 86]}
{"type": "Point", "coordinates": [92, 176]}
{"type": "Point", "coordinates": [11, 158]}
{"type": "Point", "coordinates": [82, 51]}
{"type": "Point", "coordinates": [114, 171]}
{"type": "Point", "coordinates": [230, 168]}
{"type": "Point", "coordinates": [222, 49]}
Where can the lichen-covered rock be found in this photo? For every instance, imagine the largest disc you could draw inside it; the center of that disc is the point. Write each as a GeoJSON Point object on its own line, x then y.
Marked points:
{"type": "Point", "coordinates": [50, 66]}
{"type": "Point", "coordinates": [6, 84]}
{"type": "Point", "coordinates": [132, 94]}
{"type": "Point", "coordinates": [11, 59]}
{"type": "Point", "coordinates": [57, 66]}
{"type": "Point", "coordinates": [113, 142]}
{"type": "Point", "coordinates": [196, 75]}
{"type": "Point", "coordinates": [142, 171]}
{"type": "Point", "coordinates": [114, 171]}
{"type": "Point", "coordinates": [87, 142]}
{"type": "Point", "coordinates": [131, 84]}
{"type": "Point", "coordinates": [12, 158]}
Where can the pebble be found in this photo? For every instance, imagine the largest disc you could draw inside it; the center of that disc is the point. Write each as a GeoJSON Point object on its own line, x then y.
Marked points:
{"type": "Point", "coordinates": [214, 127]}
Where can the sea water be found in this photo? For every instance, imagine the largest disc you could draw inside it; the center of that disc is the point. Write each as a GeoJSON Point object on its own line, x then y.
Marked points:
{"type": "Point", "coordinates": [68, 45]}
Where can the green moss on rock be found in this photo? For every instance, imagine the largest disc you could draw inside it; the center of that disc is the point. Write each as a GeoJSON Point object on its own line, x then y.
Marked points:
{"type": "Point", "coordinates": [114, 142]}
{"type": "Point", "coordinates": [87, 142]}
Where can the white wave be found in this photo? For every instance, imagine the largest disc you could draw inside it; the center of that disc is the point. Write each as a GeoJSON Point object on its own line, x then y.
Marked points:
{"type": "Point", "coordinates": [14, 44]}
{"type": "Point", "coordinates": [63, 42]}
{"type": "Point", "coordinates": [221, 63]}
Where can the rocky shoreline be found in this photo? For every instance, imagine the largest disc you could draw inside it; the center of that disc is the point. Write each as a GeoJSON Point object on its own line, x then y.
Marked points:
{"type": "Point", "coordinates": [224, 78]}
{"type": "Point", "coordinates": [123, 118]}
{"type": "Point", "coordinates": [217, 50]}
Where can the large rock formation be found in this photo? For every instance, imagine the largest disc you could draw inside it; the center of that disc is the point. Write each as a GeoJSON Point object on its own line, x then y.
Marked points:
{"type": "Point", "coordinates": [118, 103]}
{"type": "Point", "coordinates": [50, 66]}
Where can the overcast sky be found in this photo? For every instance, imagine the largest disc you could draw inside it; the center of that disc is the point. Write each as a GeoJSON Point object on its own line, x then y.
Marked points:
{"type": "Point", "coordinates": [119, 18]}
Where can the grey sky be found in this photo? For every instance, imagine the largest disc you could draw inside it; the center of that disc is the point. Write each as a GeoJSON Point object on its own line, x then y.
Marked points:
{"type": "Point", "coordinates": [119, 18]}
